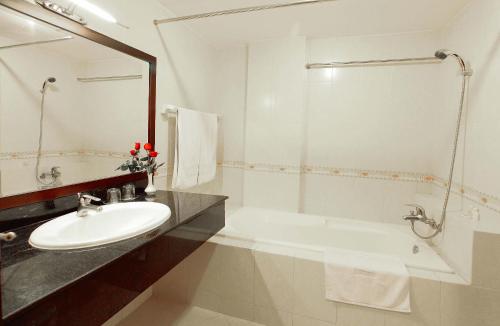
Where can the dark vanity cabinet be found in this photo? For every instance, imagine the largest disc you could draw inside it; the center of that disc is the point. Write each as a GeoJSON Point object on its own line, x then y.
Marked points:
{"type": "Point", "coordinates": [87, 287]}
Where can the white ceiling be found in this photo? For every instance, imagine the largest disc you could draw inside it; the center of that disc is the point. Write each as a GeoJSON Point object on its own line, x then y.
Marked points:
{"type": "Point", "coordinates": [17, 29]}
{"type": "Point", "coordinates": [337, 18]}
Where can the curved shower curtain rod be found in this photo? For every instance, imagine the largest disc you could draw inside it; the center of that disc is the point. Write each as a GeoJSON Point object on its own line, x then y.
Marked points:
{"type": "Point", "coordinates": [239, 11]}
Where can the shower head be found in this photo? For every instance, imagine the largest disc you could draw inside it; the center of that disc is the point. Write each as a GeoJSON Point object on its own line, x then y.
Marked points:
{"type": "Point", "coordinates": [48, 80]}
{"type": "Point", "coordinates": [444, 53]}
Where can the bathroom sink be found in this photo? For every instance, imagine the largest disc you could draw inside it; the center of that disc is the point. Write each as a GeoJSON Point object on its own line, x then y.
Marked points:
{"type": "Point", "coordinates": [114, 223]}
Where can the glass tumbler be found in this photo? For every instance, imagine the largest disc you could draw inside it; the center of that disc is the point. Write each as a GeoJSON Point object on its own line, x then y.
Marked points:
{"type": "Point", "coordinates": [114, 196]}
{"type": "Point", "coordinates": [128, 191]}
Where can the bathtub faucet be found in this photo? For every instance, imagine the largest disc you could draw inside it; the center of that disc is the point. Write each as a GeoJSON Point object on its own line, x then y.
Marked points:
{"type": "Point", "coordinates": [419, 215]}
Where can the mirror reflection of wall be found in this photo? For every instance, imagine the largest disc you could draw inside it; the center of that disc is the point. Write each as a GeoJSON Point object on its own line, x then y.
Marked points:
{"type": "Point", "coordinates": [62, 100]}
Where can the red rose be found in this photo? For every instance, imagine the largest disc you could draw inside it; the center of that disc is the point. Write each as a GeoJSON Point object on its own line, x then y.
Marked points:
{"type": "Point", "coordinates": [133, 152]}
{"type": "Point", "coordinates": [137, 146]}
{"type": "Point", "coordinates": [148, 146]}
{"type": "Point", "coordinates": [153, 154]}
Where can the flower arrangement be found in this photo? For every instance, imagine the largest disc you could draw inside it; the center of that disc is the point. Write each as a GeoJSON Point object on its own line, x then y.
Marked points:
{"type": "Point", "coordinates": [145, 163]}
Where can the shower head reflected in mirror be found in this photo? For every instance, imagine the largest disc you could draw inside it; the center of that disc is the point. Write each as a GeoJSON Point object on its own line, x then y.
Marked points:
{"type": "Point", "coordinates": [46, 82]}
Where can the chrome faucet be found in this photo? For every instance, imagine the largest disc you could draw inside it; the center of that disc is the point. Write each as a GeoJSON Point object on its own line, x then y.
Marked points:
{"type": "Point", "coordinates": [419, 215]}
{"type": "Point", "coordinates": [53, 174]}
{"type": "Point", "coordinates": [86, 205]}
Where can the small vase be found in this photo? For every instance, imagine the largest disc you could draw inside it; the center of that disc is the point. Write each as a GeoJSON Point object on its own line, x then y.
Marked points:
{"type": "Point", "coordinates": [150, 189]}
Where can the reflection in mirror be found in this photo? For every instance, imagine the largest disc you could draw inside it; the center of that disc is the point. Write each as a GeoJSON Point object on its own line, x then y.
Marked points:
{"type": "Point", "coordinates": [70, 109]}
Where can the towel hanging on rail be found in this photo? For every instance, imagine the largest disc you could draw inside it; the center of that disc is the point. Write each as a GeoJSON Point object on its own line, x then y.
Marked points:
{"type": "Point", "coordinates": [195, 149]}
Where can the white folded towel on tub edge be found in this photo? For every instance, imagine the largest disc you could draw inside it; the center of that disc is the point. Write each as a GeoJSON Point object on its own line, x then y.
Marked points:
{"type": "Point", "coordinates": [367, 279]}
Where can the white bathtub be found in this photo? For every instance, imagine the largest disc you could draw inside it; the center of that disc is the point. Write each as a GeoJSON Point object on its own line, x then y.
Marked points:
{"type": "Point", "coordinates": [316, 233]}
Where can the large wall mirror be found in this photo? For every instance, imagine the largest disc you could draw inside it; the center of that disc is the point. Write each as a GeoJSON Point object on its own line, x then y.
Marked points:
{"type": "Point", "coordinates": [72, 103]}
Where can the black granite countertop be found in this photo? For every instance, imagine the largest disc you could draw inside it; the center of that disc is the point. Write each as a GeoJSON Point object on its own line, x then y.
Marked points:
{"type": "Point", "coordinates": [30, 275]}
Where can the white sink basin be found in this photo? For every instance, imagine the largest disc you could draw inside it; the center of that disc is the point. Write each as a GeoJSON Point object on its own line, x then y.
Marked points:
{"type": "Point", "coordinates": [114, 223]}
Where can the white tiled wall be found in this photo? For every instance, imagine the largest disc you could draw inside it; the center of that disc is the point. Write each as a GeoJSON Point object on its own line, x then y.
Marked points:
{"type": "Point", "coordinates": [275, 98]}
{"type": "Point", "coordinates": [358, 198]}
{"type": "Point", "coordinates": [397, 118]}
{"type": "Point", "coordinates": [371, 117]}
{"type": "Point", "coordinates": [474, 34]}
{"type": "Point", "coordinates": [358, 118]}
{"type": "Point", "coordinates": [21, 79]}
{"type": "Point", "coordinates": [18, 175]}
{"type": "Point", "coordinates": [274, 120]}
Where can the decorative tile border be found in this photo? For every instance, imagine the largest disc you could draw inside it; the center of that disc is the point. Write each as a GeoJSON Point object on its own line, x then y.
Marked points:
{"type": "Point", "coordinates": [470, 193]}
{"type": "Point", "coordinates": [481, 198]}
{"type": "Point", "coordinates": [64, 153]}
{"type": "Point", "coordinates": [333, 171]}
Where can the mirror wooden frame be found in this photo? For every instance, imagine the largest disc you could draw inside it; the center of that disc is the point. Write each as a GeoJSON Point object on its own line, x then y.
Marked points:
{"type": "Point", "coordinates": [37, 12]}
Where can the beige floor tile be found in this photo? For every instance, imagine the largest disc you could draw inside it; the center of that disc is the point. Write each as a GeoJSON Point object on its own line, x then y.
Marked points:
{"type": "Point", "coordinates": [273, 281]}
{"type": "Point", "coordinates": [243, 309]}
{"type": "Point", "coordinates": [193, 316]}
{"type": "Point", "coordinates": [306, 321]}
{"type": "Point", "coordinates": [154, 313]}
{"type": "Point", "coordinates": [206, 300]}
{"type": "Point", "coordinates": [233, 321]}
{"type": "Point", "coordinates": [272, 317]}
{"type": "Point", "coordinates": [217, 321]}
{"type": "Point", "coordinates": [130, 308]}
{"type": "Point", "coordinates": [173, 286]}
{"type": "Point", "coordinates": [198, 271]}
{"type": "Point", "coordinates": [202, 270]}
{"type": "Point", "coordinates": [236, 273]}
{"type": "Point", "coordinates": [160, 313]}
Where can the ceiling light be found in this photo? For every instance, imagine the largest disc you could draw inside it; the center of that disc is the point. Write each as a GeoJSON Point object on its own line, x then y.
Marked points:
{"type": "Point", "coordinates": [92, 8]}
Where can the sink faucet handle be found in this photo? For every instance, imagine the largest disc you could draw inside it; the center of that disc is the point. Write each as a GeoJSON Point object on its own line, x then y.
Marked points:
{"type": "Point", "coordinates": [88, 197]}
{"type": "Point", "coordinates": [420, 209]}
{"type": "Point", "coordinates": [54, 172]}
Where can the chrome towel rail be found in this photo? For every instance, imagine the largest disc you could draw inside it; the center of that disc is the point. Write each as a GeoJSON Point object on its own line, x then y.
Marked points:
{"type": "Point", "coordinates": [36, 42]}
{"type": "Point", "coordinates": [107, 78]}
{"type": "Point", "coordinates": [171, 111]}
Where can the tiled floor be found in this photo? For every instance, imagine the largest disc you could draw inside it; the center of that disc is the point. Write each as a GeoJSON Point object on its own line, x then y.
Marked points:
{"type": "Point", "coordinates": [160, 313]}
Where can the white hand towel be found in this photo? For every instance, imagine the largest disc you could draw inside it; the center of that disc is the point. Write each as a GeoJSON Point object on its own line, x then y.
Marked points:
{"type": "Point", "coordinates": [195, 148]}
{"type": "Point", "coordinates": [208, 148]}
{"type": "Point", "coordinates": [187, 149]}
{"type": "Point", "coordinates": [365, 279]}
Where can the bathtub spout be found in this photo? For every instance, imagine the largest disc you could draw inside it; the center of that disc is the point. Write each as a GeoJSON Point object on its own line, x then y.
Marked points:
{"type": "Point", "coordinates": [419, 215]}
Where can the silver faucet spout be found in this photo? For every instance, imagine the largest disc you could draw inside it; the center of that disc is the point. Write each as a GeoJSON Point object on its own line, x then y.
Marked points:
{"type": "Point", "coordinates": [86, 204]}
{"type": "Point", "coordinates": [412, 218]}
{"type": "Point", "coordinates": [419, 215]}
